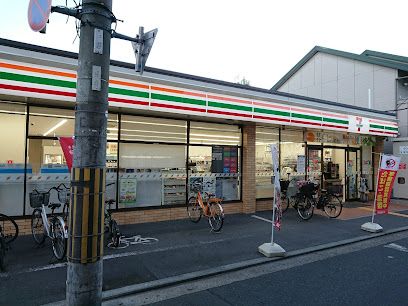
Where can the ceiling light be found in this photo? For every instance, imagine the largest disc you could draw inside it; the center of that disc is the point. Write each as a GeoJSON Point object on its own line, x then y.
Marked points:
{"type": "Point", "coordinates": [215, 136]}
{"type": "Point", "coordinates": [52, 115]}
{"type": "Point", "coordinates": [55, 127]}
{"type": "Point", "coordinates": [147, 131]}
{"type": "Point", "coordinates": [154, 123]}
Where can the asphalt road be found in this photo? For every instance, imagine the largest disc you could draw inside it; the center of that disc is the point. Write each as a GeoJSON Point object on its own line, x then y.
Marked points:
{"type": "Point", "coordinates": [353, 275]}
{"type": "Point", "coordinates": [35, 278]}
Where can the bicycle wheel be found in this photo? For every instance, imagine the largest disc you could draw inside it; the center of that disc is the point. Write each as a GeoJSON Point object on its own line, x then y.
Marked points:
{"type": "Point", "coordinates": [194, 210]}
{"type": "Point", "coordinates": [333, 206]}
{"type": "Point", "coordinates": [2, 253]}
{"type": "Point", "coordinates": [114, 234]}
{"type": "Point", "coordinates": [285, 202]}
{"type": "Point", "coordinates": [305, 208]}
{"type": "Point", "coordinates": [59, 242]}
{"type": "Point", "coordinates": [216, 218]}
{"type": "Point", "coordinates": [37, 226]}
{"type": "Point", "coordinates": [9, 228]}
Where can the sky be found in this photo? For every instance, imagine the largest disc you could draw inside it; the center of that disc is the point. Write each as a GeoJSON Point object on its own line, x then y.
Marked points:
{"type": "Point", "coordinates": [228, 40]}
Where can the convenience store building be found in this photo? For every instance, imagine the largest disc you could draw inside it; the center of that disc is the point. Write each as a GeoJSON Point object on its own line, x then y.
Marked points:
{"type": "Point", "coordinates": [167, 130]}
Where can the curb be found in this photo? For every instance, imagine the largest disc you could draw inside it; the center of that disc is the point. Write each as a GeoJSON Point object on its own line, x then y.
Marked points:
{"type": "Point", "coordinates": [175, 280]}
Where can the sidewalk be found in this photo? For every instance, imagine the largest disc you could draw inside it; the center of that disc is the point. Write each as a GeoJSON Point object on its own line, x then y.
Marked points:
{"type": "Point", "coordinates": [237, 246]}
{"type": "Point", "coordinates": [184, 250]}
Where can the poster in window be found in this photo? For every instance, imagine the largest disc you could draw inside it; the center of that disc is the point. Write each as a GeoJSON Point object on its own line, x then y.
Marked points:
{"type": "Point", "coordinates": [217, 164]}
{"type": "Point", "coordinates": [53, 159]}
{"type": "Point", "coordinates": [128, 191]}
{"type": "Point", "coordinates": [234, 160]}
{"type": "Point", "coordinates": [301, 164]}
{"type": "Point", "coordinates": [209, 185]}
{"type": "Point", "coordinates": [224, 159]}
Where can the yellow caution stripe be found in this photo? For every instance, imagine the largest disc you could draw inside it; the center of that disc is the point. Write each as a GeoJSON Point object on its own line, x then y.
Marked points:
{"type": "Point", "coordinates": [86, 224]}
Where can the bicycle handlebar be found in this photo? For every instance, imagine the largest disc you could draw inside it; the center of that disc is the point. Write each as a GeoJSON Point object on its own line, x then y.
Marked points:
{"type": "Point", "coordinates": [62, 185]}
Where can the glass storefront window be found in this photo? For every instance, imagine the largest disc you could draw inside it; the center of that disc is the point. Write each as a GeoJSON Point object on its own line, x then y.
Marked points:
{"type": "Point", "coordinates": [12, 137]}
{"type": "Point", "coordinates": [215, 134]}
{"type": "Point", "coordinates": [51, 122]}
{"type": "Point", "coordinates": [264, 138]}
{"type": "Point", "coordinates": [149, 129]}
{"type": "Point", "coordinates": [215, 169]}
{"type": "Point", "coordinates": [47, 168]}
{"type": "Point", "coordinates": [111, 170]}
{"type": "Point", "coordinates": [292, 146]}
{"type": "Point", "coordinates": [152, 175]}
{"type": "Point", "coordinates": [112, 127]}
{"type": "Point", "coordinates": [45, 159]}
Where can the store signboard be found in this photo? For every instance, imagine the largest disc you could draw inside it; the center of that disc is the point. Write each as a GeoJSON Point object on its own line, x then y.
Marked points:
{"type": "Point", "coordinates": [359, 124]}
{"type": "Point", "coordinates": [324, 137]}
{"type": "Point", "coordinates": [385, 181]}
{"type": "Point", "coordinates": [336, 138]}
{"type": "Point", "coordinates": [153, 98]}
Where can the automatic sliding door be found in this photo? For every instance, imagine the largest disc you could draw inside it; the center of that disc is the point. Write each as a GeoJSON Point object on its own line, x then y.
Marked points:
{"type": "Point", "coordinates": [314, 158]}
{"type": "Point", "coordinates": [353, 174]}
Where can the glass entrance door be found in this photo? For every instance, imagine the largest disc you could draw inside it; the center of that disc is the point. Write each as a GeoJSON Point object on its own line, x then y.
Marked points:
{"type": "Point", "coordinates": [353, 173]}
{"type": "Point", "coordinates": [314, 163]}
{"type": "Point", "coordinates": [334, 166]}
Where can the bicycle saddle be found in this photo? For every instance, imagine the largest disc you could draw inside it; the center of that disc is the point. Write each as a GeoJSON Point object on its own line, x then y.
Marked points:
{"type": "Point", "coordinates": [323, 190]}
{"type": "Point", "coordinates": [54, 205]}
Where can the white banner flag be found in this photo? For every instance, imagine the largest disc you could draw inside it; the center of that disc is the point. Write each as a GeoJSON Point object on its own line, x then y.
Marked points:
{"type": "Point", "coordinates": [275, 162]}
{"type": "Point", "coordinates": [277, 215]}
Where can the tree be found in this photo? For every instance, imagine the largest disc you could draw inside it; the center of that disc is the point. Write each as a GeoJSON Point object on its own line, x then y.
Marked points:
{"type": "Point", "coordinates": [244, 81]}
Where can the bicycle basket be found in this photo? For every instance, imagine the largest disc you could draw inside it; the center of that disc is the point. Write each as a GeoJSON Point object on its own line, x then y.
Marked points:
{"type": "Point", "coordinates": [308, 189]}
{"type": "Point", "coordinates": [37, 199]}
{"type": "Point", "coordinates": [335, 189]}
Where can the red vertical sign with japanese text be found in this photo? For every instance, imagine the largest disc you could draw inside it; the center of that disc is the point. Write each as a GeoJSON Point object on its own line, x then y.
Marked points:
{"type": "Point", "coordinates": [385, 181]}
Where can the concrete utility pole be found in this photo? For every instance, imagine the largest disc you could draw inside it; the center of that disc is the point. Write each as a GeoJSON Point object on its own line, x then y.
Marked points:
{"type": "Point", "coordinates": [86, 220]}
{"type": "Point", "coordinates": [85, 244]}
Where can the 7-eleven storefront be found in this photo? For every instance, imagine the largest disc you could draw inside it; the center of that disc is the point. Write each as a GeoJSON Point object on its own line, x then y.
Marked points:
{"type": "Point", "coordinates": [168, 130]}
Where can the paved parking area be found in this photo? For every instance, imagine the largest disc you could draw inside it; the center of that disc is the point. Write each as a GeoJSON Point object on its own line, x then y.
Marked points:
{"type": "Point", "coordinates": [181, 247]}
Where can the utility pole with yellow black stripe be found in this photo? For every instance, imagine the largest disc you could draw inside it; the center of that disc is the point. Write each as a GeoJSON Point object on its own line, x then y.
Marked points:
{"type": "Point", "coordinates": [86, 222]}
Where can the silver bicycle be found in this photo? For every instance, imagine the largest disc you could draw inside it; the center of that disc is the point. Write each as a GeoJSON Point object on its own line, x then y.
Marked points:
{"type": "Point", "coordinates": [52, 226]}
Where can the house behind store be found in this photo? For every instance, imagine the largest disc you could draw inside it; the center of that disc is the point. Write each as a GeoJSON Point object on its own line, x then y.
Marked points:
{"type": "Point", "coordinates": [370, 80]}
{"type": "Point", "coordinates": [168, 130]}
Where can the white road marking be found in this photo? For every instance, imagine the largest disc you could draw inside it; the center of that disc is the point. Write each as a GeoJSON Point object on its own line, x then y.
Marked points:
{"type": "Point", "coordinates": [118, 255]}
{"type": "Point", "coordinates": [397, 247]}
{"type": "Point", "coordinates": [260, 218]}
